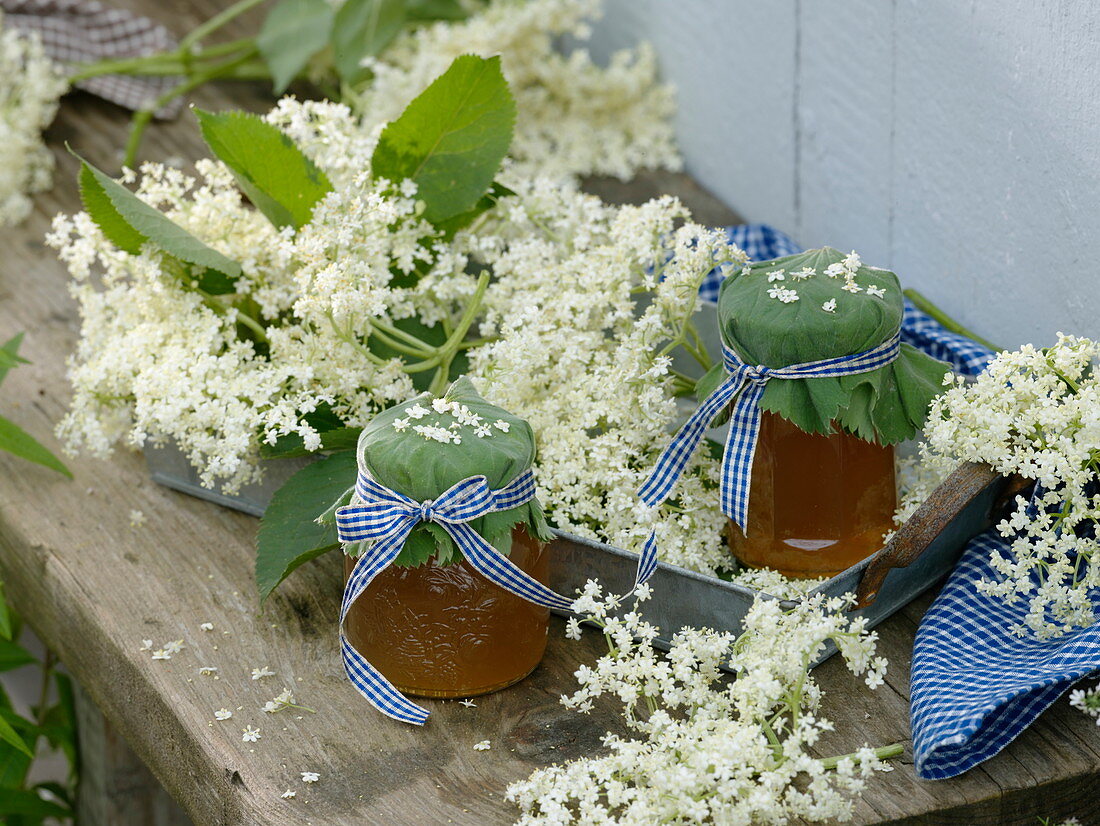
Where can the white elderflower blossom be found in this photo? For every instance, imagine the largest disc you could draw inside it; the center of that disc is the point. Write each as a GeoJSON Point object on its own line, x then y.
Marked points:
{"type": "Point", "coordinates": [260, 673]}
{"type": "Point", "coordinates": [30, 86]}
{"type": "Point", "coordinates": [1087, 701]}
{"type": "Point", "coordinates": [574, 332]}
{"type": "Point", "coordinates": [573, 117]}
{"type": "Point", "coordinates": [1035, 413]}
{"type": "Point", "coordinates": [310, 777]}
{"type": "Point", "coordinates": [484, 745]}
{"type": "Point", "coordinates": [250, 734]}
{"type": "Point", "coordinates": [223, 714]}
{"type": "Point", "coordinates": [829, 306]}
{"type": "Point", "coordinates": [284, 700]}
{"type": "Point", "coordinates": [787, 296]}
{"type": "Point", "coordinates": [704, 749]}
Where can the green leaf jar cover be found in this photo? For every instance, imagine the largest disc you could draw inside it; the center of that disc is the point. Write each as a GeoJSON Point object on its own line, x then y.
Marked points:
{"type": "Point", "coordinates": [823, 490]}
{"type": "Point", "coordinates": [431, 623]}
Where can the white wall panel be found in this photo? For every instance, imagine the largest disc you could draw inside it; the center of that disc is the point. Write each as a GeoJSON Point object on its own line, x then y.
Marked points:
{"type": "Point", "coordinates": [956, 141]}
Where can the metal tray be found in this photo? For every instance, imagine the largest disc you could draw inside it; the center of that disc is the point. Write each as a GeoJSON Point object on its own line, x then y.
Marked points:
{"type": "Point", "coordinates": [922, 552]}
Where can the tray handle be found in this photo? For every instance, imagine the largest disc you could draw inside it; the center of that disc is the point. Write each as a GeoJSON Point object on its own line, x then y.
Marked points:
{"type": "Point", "coordinates": [930, 520]}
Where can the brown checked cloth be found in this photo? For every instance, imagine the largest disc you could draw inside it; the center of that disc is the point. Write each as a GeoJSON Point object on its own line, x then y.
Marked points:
{"type": "Point", "coordinates": [83, 31]}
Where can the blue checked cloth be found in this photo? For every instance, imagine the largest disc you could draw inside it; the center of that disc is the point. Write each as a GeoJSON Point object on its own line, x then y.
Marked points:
{"type": "Point", "coordinates": [762, 243]}
{"type": "Point", "coordinates": [385, 518]}
{"type": "Point", "coordinates": [974, 685]}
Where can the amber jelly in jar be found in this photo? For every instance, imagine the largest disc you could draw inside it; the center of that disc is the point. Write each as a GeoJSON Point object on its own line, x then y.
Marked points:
{"type": "Point", "coordinates": [823, 491]}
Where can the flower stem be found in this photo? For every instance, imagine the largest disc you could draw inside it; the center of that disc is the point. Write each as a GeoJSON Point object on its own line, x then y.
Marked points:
{"type": "Point", "coordinates": [926, 306]}
{"type": "Point", "coordinates": [144, 116]}
{"type": "Point", "coordinates": [157, 65]}
{"type": "Point", "coordinates": [882, 753]}
{"type": "Point", "coordinates": [446, 351]}
{"type": "Point", "coordinates": [187, 44]}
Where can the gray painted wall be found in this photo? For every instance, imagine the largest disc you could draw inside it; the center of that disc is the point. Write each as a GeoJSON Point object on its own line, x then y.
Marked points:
{"type": "Point", "coordinates": [956, 142]}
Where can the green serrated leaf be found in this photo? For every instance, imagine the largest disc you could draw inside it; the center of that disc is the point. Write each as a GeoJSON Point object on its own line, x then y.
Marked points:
{"type": "Point", "coordinates": [422, 10]}
{"type": "Point", "coordinates": [421, 546]}
{"type": "Point", "coordinates": [129, 222]}
{"type": "Point", "coordinates": [66, 703]}
{"type": "Point", "coordinates": [13, 655]}
{"type": "Point", "coordinates": [288, 535]}
{"type": "Point", "coordinates": [5, 616]}
{"type": "Point", "coordinates": [292, 33]}
{"type": "Point", "coordinates": [274, 173]}
{"type": "Point", "coordinates": [362, 29]}
{"type": "Point", "coordinates": [110, 222]}
{"type": "Point", "coordinates": [12, 738]}
{"type": "Point", "coordinates": [18, 442]}
{"type": "Point", "coordinates": [451, 139]}
{"type": "Point", "coordinates": [292, 445]}
{"type": "Point", "coordinates": [486, 202]}
{"type": "Point", "coordinates": [9, 355]}
{"type": "Point", "coordinates": [27, 802]}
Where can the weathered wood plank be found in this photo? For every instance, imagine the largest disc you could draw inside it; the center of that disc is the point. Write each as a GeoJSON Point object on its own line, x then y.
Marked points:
{"type": "Point", "coordinates": [93, 587]}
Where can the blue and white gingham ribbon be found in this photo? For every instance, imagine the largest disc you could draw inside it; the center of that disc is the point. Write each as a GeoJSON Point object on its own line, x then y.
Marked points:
{"type": "Point", "coordinates": [746, 384]}
{"type": "Point", "coordinates": [386, 518]}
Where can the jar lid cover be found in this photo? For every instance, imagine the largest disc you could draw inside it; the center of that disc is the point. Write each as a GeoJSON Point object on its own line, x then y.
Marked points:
{"type": "Point", "coordinates": [422, 447]}
{"type": "Point", "coordinates": [823, 304]}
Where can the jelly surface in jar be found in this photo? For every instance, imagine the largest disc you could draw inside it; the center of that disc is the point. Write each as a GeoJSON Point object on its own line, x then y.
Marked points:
{"type": "Point", "coordinates": [818, 503]}
{"type": "Point", "coordinates": [446, 631]}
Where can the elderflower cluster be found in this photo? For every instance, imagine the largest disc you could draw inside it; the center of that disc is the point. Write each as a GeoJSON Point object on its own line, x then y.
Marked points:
{"type": "Point", "coordinates": [577, 357]}
{"type": "Point", "coordinates": [1087, 701]}
{"type": "Point", "coordinates": [705, 748]}
{"type": "Point", "coordinates": [1035, 413]}
{"type": "Point", "coordinates": [30, 86]}
{"type": "Point", "coordinates": [574, 331]}
{"type": "Point", "coordinates": [573, 117]}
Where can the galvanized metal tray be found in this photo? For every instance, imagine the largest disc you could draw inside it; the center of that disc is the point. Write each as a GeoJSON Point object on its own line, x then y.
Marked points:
{"type": "Point", "coordinates": [921, 553]}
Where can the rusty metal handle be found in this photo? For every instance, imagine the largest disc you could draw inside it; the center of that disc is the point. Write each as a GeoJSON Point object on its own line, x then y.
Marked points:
{"type": "Point", "coordinates": [930, 520]}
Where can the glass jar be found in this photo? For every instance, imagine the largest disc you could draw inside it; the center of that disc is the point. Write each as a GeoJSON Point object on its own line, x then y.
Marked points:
{"type": "Point", "coordinates": [818, 503]}
{"type": "Point", "coordinates": [446, 631]}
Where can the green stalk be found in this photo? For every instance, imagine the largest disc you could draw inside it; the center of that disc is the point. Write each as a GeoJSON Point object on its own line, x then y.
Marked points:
{"type": "Point", "coordinates": [926, 306]}
{"type": "Point", "coordinates": [882, 753]}
{"type": "Point", "coordinates": [157, 65]}
{"type": "Point", "coordinates": [187, 45]}
{"type": "Point", "coordinates": [144, 116]}
{"type": "Point", "coordinates": [446, 352]}
{"type": "Point", "coordinates": [392, 332]}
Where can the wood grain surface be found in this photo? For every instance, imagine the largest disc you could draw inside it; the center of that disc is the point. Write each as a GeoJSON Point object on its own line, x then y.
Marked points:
{"type": "Point", "coordinates": [94, 586]}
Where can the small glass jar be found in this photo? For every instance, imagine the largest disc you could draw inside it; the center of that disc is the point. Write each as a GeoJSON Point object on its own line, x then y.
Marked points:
{"type": "Point", "coordinates": [446, 631]}
{"type": "Point", "coordinates": [818, 503]}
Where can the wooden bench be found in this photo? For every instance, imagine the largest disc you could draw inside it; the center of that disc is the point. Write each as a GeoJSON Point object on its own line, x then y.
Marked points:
{"type": "Point", "coordinates": [93, 586]}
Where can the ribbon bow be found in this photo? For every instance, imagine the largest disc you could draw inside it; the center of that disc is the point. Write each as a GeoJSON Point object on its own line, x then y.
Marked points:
{"type": "Point", "coordinates": [746, 384]}
{"type": "Point", "coordinates": [386, 518]}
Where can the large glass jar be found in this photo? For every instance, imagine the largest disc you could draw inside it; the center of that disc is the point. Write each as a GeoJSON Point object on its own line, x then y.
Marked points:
{"type": "Point", "coordinates": [446, 631]}
{"type": "Point", "coordinates": [818, 503]}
